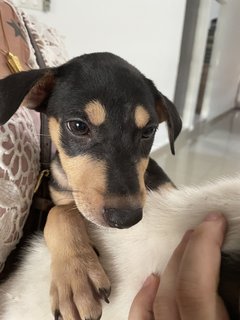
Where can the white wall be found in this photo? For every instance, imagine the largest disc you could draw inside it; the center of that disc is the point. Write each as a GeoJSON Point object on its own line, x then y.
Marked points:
{"type": "Point", "coordinates": [147, 33]}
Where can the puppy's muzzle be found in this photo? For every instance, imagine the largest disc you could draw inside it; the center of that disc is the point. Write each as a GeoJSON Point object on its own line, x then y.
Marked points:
{"type": "Point", "coordinates": [122, 218]}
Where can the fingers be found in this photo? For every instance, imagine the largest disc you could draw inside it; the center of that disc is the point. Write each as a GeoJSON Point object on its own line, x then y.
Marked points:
{"type": "Point", "coordinates": [196, 292]}
{"type": "Point", "coordinates": [166, 306]}
{"type": "Point", "coordinates": [142, 306]}
{"type": "Point", "coordinates": [189, 283]}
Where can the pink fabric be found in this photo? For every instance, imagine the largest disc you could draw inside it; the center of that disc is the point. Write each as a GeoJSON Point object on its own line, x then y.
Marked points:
{"type": "Point", "coordinates": [19, 167]}
{"type": "Point", "coordinates": [19, 145]}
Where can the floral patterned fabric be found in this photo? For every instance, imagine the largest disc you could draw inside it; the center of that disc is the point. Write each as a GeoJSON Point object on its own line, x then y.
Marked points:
{"type": "Point", "coordinates": [19, 144]}
{"type": "Point", "coordinates": [19, 167]}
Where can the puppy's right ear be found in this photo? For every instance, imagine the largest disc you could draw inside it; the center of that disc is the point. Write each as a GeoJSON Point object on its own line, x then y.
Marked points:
{"type": "Point", "coordinates": [31, 88]}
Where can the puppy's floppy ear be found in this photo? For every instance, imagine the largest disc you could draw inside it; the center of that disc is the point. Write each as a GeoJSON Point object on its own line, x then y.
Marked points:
{"type": "Point", "coordinates": [167, 111]}
{"type": "Point", "coordinates": [30, 87]}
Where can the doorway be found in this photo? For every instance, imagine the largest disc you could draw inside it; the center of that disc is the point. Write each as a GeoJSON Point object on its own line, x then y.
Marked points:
{"type": "Point", "coordinates": [209, 68]}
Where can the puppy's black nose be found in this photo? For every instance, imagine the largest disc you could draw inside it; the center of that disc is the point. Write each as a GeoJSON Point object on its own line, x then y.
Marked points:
{"type": "Point", "coordinates": [122, 218]}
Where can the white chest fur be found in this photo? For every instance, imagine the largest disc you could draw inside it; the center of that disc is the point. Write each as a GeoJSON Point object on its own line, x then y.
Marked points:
{"type": "Point", "coordinates": [128, 256]}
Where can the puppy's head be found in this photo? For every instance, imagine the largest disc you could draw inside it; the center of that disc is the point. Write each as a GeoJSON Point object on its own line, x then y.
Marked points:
{"type": "Point", "coordinates": [103, 114]}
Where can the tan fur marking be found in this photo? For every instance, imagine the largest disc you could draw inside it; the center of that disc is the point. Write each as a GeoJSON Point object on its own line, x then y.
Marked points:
{"type": "Point", "coordinates": [141, 117]}
{"type": "Point", "coordinates": [86, 177]}
{"type": "Point", "coordinates": [61, 197]}
{"type": "Point", "coordinates": [54, 130]}
{"type": "Point", "coordinates": [59, 175]}
{"type": "Point", "coordinates": [141, 169]}
{"type": "Point", "coordinates": [132, 201]}
{"type": "Point", "coordinates": [96, 112]}
{"type": "Point", "coordinates": [168, 186]}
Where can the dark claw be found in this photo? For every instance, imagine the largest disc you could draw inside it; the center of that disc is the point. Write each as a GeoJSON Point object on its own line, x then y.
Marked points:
{"type": "Point", "coordinates": [104, 294]}
{"type": "Point", "coordinates": [97, 253]}
{"type": "Point", "coordinates": [57, 315]}
{"type": "Point", "coordinates": [94, 319]}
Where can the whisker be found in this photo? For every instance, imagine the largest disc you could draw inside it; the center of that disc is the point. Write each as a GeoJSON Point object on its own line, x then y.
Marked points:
{"type": "Point", "coordinates": [65, 198]}
{"type": "Point", "coordinates": [73, 209]}
{"type": "Point", "coordinates": [65, 190]}
{"type": "Point", "coordinates": [77, 191]}
{"type": "Point", "coordinates": [43, 135]}
{"type": "Point", "coordinates": [70, 191]}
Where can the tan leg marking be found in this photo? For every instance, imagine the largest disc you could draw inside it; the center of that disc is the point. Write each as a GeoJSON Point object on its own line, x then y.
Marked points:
{"type": "Point", "coordinates": [141, 117]}
{"type": "Point", "coordinates": [96, 112]}
{"type": "Point", "coordinates": [75, 266]}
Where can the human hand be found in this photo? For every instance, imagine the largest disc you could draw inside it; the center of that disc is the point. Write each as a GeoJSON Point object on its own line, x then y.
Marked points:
{"type": "Point", "coordinates": [188, 288]}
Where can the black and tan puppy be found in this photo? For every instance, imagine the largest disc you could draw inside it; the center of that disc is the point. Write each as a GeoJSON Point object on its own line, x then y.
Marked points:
{"type": "Point", "coordinates": [103, 114]}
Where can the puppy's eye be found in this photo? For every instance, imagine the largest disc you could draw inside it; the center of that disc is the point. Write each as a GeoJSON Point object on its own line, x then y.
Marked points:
{"type": "Point", "coordinates": [78, 127]}
{"type": "Point", "coordinates": [148, 132]}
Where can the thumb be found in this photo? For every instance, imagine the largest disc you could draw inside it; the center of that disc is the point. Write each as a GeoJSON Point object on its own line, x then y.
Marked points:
{"type": "Point", "coordinates": [142, 306]}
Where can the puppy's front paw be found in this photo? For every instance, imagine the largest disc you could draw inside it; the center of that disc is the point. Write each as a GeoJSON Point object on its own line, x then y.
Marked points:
{"type": "Point", "coordinates": [78, 284]}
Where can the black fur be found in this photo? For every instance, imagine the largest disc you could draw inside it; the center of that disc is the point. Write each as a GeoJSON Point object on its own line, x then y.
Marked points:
{"type": "Point", "coordinates": [63, 92]}
{"type": "Point", "coordinates": [155, 177]}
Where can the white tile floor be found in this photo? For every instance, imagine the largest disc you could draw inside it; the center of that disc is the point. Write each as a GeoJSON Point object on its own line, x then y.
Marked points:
{"type": "Point", "coordinates": [215, 152]}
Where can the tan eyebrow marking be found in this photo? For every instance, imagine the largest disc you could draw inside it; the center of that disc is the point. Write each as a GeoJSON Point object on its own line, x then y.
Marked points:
{"type": "Point", "coordinates": [96, 112]}
{"type": "Point", "coordinates": [141, 117]}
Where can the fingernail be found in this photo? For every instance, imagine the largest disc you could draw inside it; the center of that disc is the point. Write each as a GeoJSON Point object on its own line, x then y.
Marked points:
{"type": "Point", "coordinates": [213, 216]}
{"type": "Point", "coordinates": [150, 280]}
